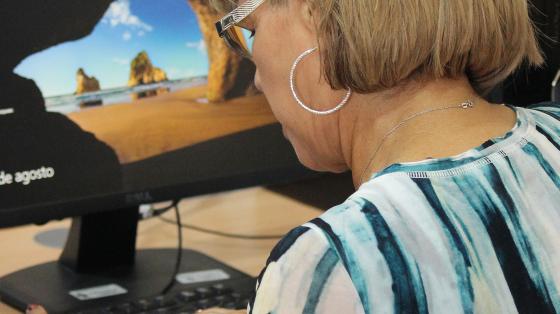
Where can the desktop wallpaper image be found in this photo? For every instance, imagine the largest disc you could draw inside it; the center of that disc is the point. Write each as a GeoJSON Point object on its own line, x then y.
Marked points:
{"type": "Point", "coordinates": [139, 81]}
{"type": "Point", "coordinates": [104, 97]}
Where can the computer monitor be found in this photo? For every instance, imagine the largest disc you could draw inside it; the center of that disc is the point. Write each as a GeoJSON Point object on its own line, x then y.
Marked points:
{"type": "Point", "coordinates": [106, 105]}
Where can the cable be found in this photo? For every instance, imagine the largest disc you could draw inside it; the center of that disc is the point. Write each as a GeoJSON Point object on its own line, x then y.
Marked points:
{"type": "Point", "coordinates": [151, 212]}
{"type": "Point", "coordinates": [147, 211]}
{"type": "Point", "coordinates": [179, 248]}
{"type": "Point", "coordinates": [223, 234]}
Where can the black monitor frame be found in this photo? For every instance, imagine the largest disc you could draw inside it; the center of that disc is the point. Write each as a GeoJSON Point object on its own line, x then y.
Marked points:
{"type": "Point", "coordinates": [266, 158]}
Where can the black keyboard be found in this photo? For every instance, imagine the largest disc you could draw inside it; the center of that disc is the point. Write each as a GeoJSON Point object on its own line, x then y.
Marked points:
{"type": "Point", "coordinates": [183, 302]}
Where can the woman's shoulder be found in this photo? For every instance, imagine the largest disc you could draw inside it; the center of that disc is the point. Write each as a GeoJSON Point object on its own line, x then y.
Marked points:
{"type": "Point", "coordinates": [544, 121]}
{"type": "Point", "coordinates": [340, 228]}
{"type": "Point", "coordinates": [551, 105]}
{"type": "Point", "coordinates": [359, 221]}
{"type": "Point", "coordinates": [549, 108]}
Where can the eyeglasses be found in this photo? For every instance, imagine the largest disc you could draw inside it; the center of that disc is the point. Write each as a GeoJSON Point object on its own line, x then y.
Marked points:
{"type": "Point", "coordinates": [236, 34]}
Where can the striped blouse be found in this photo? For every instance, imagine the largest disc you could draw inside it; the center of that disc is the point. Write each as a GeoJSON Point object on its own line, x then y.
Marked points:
{"type": "Point", "coordinates": [475, 233]}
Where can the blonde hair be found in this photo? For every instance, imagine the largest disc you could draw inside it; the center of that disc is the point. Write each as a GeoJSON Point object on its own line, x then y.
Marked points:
{"type": "Point", "coordinates": [374, 45]}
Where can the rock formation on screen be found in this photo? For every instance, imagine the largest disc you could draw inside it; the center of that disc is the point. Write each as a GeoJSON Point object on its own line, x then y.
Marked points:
{"type": "Point", "coordinates": [229, 75]}
{"type": "Point", "coordinates": [85, 83]}
{"type": "Point", "coordinates": [142, 71]}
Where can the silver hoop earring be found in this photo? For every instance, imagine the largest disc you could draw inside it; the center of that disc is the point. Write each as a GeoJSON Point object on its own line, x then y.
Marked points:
{"type": "Point", "coordinates": [296, 97]}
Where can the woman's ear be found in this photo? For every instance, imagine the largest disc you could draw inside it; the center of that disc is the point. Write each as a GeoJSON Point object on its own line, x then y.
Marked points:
{"type": "Point", "coordinates": [307, 16]}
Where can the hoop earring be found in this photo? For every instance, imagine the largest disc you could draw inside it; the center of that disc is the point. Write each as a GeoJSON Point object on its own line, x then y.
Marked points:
{"type": "Point", "coordinates": [296, 97]}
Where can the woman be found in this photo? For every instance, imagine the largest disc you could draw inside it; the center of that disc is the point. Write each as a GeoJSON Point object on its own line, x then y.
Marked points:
{"type": "Point", "coordinates": [457, 208]}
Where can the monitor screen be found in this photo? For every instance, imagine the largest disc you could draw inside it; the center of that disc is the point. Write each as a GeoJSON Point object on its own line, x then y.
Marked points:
{"type": "Point", "coordinates": [128, 102]}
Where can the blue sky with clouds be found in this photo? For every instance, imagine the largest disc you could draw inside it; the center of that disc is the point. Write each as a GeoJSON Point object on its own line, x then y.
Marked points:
{"type": "Point", "coordinates": [166, 29]}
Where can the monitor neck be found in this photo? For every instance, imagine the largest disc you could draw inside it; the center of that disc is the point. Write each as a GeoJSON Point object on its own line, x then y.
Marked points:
{"type": "Point", "coordinates": [101, 241]}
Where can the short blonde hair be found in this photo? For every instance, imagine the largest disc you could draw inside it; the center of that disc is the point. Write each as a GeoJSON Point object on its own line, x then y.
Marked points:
{"type": "Point", "coordinates": [375, 45]}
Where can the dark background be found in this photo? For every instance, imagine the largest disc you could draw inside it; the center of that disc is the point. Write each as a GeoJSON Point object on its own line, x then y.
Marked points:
{"type": "Point", "coordinates": [529, 86]}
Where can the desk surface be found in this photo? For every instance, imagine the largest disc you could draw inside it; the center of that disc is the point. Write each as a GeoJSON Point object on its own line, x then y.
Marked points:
{"type": "Point", "coordinates": [247, 211]}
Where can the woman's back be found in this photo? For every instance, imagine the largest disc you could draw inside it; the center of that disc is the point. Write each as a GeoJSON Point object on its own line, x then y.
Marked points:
{"type": "Point", "coordinates": [478, 232]}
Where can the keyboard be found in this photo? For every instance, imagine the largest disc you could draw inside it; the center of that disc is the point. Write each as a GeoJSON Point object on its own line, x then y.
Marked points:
{"type": "Point", "coordinates": [182, 302]}
{"type": "Point", "coordinates": [202, 282]}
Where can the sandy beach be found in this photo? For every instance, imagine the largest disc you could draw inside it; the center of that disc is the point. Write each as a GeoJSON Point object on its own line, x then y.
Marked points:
{"type": "Point", "coordinates": [152, 126]}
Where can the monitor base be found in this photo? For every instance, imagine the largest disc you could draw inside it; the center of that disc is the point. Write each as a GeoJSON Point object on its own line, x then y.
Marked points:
{"type": "Point", "coordinates": [50, 284]}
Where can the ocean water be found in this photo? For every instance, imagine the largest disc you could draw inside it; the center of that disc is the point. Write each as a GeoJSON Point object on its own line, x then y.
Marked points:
{"type": "Point", "coordinates": [70, 103]}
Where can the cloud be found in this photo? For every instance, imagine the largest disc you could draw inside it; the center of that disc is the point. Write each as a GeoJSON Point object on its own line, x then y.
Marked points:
{"type": "Point", "coordinates": [198, 45]}
{"type": "Point", "coordinates": [141, 33]}
{"type": "Point", "coordinates": [121, 61]}
{"type": "Point", "coordinates": [126, 36]}
{"type": "Point", "coordinates": [119, 13]}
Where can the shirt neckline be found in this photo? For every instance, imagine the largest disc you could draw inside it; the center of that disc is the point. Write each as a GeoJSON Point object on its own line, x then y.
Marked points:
{"type": "Point", "coordinates": [496, 147]}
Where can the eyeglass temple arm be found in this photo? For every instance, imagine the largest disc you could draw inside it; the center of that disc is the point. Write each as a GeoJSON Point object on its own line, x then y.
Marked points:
{"type": "Point", "coordinates": [237, 15]}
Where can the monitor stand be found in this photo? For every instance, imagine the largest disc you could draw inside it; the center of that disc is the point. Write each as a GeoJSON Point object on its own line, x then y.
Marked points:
{"type": "Point", "coordinates": [100, 255]}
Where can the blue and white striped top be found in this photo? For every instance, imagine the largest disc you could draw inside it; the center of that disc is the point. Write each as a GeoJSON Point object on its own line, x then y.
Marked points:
{"type": "Point", "coordinates": [475, 233]}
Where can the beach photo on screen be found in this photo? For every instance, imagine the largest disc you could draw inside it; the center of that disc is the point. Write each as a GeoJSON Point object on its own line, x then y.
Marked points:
{"type": "Point", "coordinates": [124, 93]}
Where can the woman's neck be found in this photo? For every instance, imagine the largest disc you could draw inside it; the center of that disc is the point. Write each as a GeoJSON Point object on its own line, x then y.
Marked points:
{"type": "Point", "coordinates": [436, 134]}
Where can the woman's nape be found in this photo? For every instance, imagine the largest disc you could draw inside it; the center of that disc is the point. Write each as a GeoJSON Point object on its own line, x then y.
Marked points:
{"type": "Point", "coordinates": [437, 134]}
